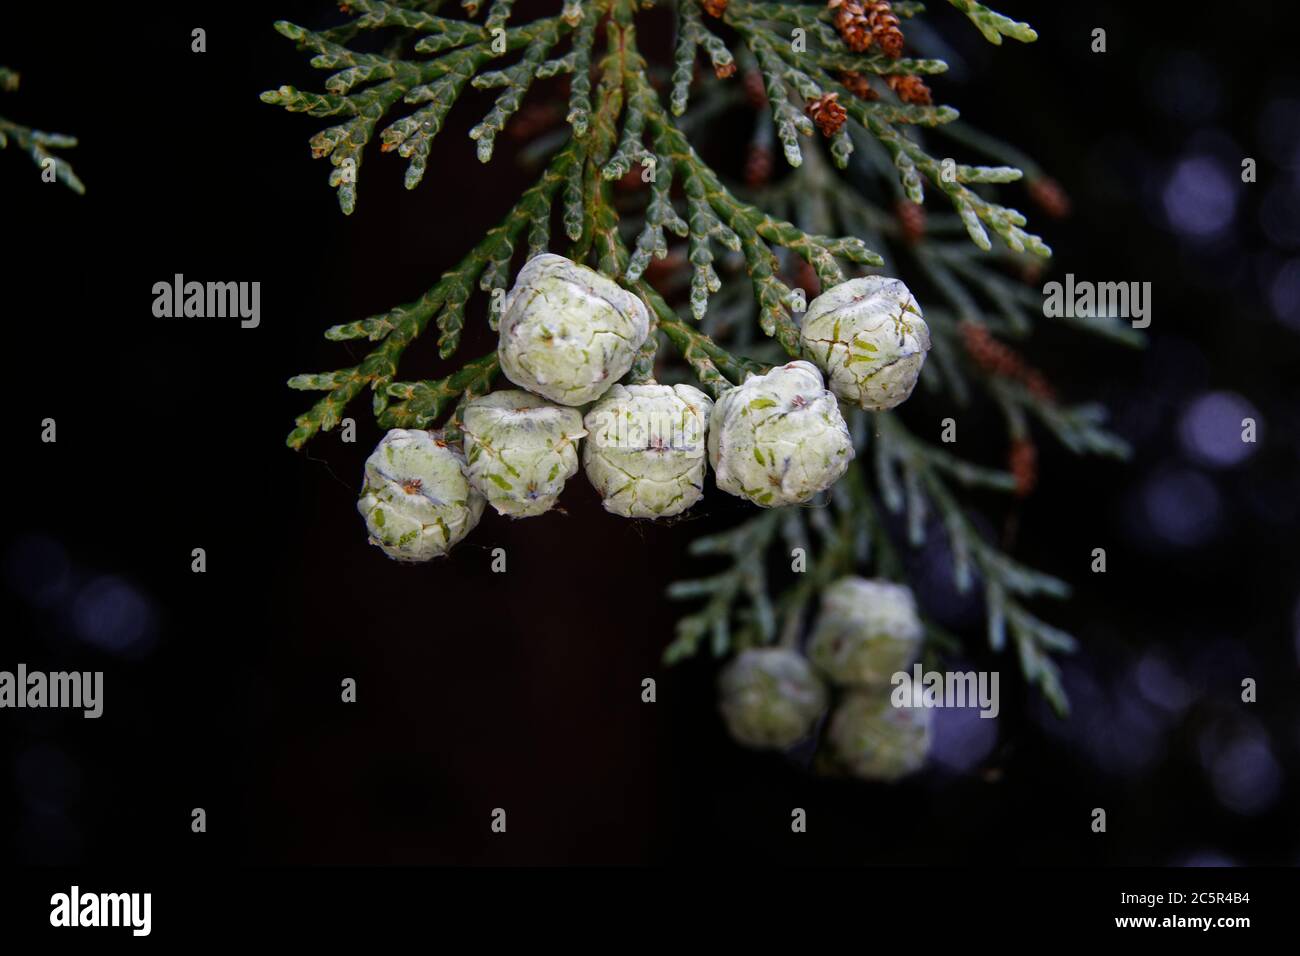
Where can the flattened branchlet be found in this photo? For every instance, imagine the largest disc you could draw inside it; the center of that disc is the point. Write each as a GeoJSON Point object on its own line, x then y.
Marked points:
{"type": "Point", "coordinates": [37, 144]}
{"type": "Point", "coordinates": [669, 268]}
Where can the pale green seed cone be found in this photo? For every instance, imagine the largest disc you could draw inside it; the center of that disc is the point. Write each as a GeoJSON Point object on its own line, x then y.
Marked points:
{"type": "Point", "coordinates": [875, 740]}
{"type": "Point", "coordinates": [645, 451]}
{"type": "Point", "coordinates": [867, 631]}
{"type": "Point", "coordinates": [417, 500]}
{"type": "Point", "coordinates": [870, 339]}
{"type": "Point", "coordinates": [520, 450]}
{"type": "Point", "coordinates": [779, 438]}
{"type": "Point", "coordinates": [770, 697]}
{"type": "Point", "coordinates": [567, 332]}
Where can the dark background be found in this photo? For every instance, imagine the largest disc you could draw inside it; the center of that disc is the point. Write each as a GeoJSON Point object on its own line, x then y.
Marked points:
{"type": "Point", "coordinates": [522, 691]}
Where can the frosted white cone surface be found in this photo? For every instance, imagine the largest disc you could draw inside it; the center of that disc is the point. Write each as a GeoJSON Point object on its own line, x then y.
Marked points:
{"type": "Point", "coordinates": [867, 631]}
{"type": "Point", "coordinates": [779, 438]}
{"type": "Point", "coordinates": [520, 450]}
{"type": "Point", "coordinates": [645, 451]}
{"type": "Point", "coordinates": [417, 500]}
{"type": "Point", "coordinates": [876, 740]}
{"type": "Point", "coordinates": [770, 697]}
{"type": "Point", "coordinates": [567, 332]}
{"type": "Point", "coordinates": [870, 339]}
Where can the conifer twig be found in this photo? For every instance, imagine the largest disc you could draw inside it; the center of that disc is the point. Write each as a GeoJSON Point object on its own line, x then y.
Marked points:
{"type": "Point", "coordinates": [38, 144]}
{"type": "Point", "coordinates": [734, 257]}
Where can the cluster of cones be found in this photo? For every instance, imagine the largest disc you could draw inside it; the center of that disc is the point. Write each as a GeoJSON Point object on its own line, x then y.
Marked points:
{"type": "Point", "coordinates": [863, 24]}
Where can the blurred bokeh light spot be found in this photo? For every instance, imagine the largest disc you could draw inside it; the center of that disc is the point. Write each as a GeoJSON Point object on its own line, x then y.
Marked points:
{"type": "Point", "coordinates": [1199, 199]}
{"type": "Point", "coordinates": [1160, 684]}
{"type": "Point", "coordinates": [1284, 294]}
{"type": "Point", "coordinates": [1243, 771]}
{"type": "Point", "coordinates": [1182, 507]}
{"type": "Point", "coordinates": [934, 577]}
{"type": "Point", "coordinates": [115, 617]}
{"type": "Point", "coordinates": [1208, 858]}
{"type": "Point", "coordinates": [37, 568]}
{"type": "Point", "coordinates": [962, 738]}
{"type": "Point", "coordinates": [1110, 722]}
{"type": "Point", "coordinates": [1211, 429]}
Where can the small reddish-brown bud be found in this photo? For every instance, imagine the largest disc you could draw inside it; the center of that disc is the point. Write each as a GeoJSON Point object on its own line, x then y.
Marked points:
{"type": "Point", "coordinates": [807, 279]}
{"type": "Point", "coordinates": [1031, 270]}
{"type": "Point", "coordinates": [755, 90]}
{"type": "Point", "coordinates": [827, 113]}
{"type": "Point", "coordinates": [1038, 386]}
{"type": "Point", "coordinates": [883, 24]}
{"type": "Point", "coordinates": [911, 219]}
{"type": "Point", "coordinates": [1002, 361]}
{"type": "Point", "coordinates": [851, 22]}
{"type": "Point", "coordinates": [909, 88]}
{"type": "Point", "coordinates": [1050, 197]}
{"type": "Point", "coordinates": [630, 181]}
{"type": "Point", "coordinates": [1022, 462]}
{"type": "Point", "coordinates": [858, 85]}
{"type": "Point", "coordinates": [758, 164]}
